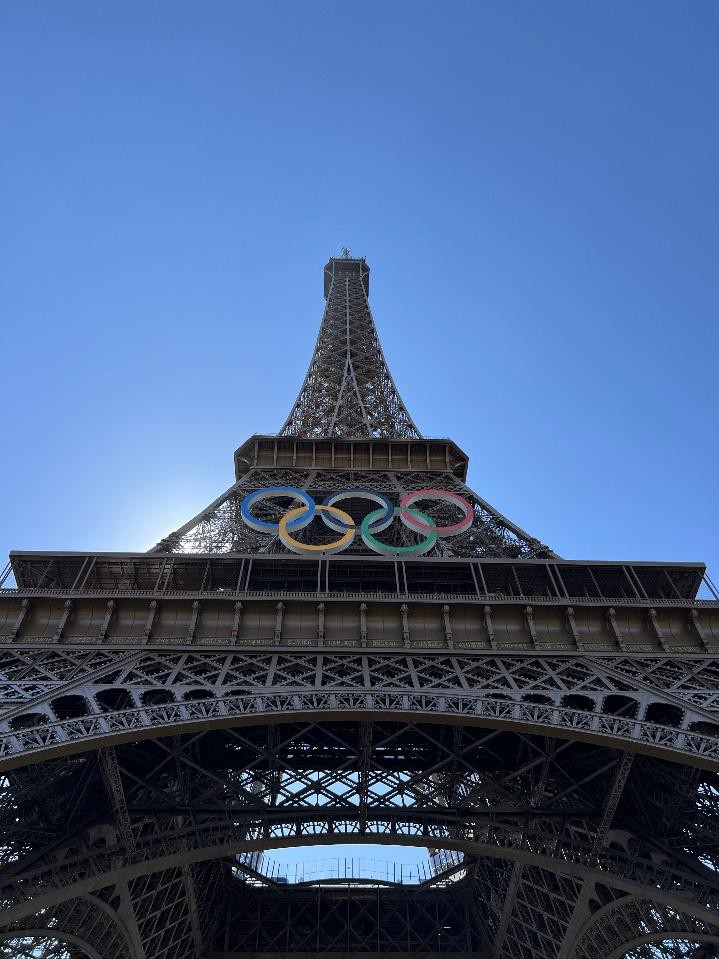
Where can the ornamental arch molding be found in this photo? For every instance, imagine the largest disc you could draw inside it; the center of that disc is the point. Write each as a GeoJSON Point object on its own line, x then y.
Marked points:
{"type": "Point", "coordinates": [543, 806]}
{"type": "Point", "coordinates": [36, 736]}
{"type": "Point", "coordinates": [67, 699]}
{"type": "Point", "coordinates": [621, 928]}
{"type": "Point", "coordinates": [82, 927]}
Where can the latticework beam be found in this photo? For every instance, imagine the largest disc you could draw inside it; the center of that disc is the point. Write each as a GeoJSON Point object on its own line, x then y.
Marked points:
{"type": "Point", "coordinates": [348, 390]}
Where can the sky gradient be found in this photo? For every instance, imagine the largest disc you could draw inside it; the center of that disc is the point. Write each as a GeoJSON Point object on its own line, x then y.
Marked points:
{"type": "Point", "coordinates": [533, 185]}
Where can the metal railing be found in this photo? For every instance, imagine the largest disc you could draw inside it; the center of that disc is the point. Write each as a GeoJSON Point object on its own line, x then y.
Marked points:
{"type": "Point", "coordinates": [338, 869]}
{"type": "Point", "coordinates": [290, 595]}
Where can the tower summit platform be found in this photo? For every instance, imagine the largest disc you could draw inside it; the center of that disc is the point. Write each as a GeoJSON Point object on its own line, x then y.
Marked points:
{"type": "Point", "coordinates": [343, 266]}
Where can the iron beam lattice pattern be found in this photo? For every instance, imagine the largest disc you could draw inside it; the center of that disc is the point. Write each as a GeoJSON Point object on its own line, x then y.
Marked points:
{"type": "Point", "coordinates": [363, 920]}
{"type": "Point", "coordinates": [61, 699]}
{"type": "Point", "coordinates": [549, 728]}
{"type": "Point", "coordinates": [508, 800]}
{"type": "Point", "coordinates": [220, 528]}
{"type": "Point", "coordinates": [348, 390]}
{"type": "Point", "coordinates": [349, 394]}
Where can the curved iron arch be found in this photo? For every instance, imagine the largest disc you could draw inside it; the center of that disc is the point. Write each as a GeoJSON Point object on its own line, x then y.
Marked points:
{"type": "Point", "coordinates": [612, 932]}
{"type": "Point", "coordinates": [64, 737]}
{"type": "Point", "coordinates": [637, 878]}
{"type": "Point", "coordinates": [75, 921]}
{"type": "Point", "coordinates": [40, 936]}
{"type": "Point", "coordinates": [656, 941]}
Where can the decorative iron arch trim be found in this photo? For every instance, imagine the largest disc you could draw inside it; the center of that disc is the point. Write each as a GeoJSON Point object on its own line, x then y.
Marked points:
{"type": "Point", "coordinates": [63, 935]}
{"type": "Point", "coordinates": [641, 880]}
{"type": "Point", "coordinates": [680, 922]}
{"type": "Point", "coordinates": [657, 938]}
{"type": "Point", "coordinates": [61, 738]}
{"type": "Point", "coordinates": [46, 933]}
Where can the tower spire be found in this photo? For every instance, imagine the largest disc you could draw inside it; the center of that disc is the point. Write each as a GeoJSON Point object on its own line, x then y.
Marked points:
{"type": "Point", "coordinates": [348, 429]}
{"type": "Point", "coordinates": [348, 389]}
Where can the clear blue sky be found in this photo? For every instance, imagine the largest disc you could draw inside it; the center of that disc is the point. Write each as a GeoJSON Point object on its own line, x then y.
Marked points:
{"type": "Point", "coordinates": [533, 184]}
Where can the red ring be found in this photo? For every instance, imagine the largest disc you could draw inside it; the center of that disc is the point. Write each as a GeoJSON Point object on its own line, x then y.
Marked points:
{"type": "Point", "coordinates": [444, 496]}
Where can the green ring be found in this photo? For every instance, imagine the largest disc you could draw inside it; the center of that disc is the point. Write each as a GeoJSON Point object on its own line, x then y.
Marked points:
{"type": "Point", "coordinates": [373, 543]}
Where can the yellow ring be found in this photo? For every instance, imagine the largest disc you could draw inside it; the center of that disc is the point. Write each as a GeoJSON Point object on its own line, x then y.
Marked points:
{"type": "Point", "coordinates": [291, 543]}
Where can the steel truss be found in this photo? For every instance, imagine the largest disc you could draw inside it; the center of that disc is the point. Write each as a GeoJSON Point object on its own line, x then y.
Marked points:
{"type": "Point", "coordinates": [642, 926]}
{"type": "Point", "coordinates": [220, 529]}
{"type": "Point", "coordinates": [348, 390]}
{"type": "Point", "coordinates": [64, 699]}
{"type": "Point", "coordinates": [501, 797]}
{"type": "Point", "coordinates": [367, 920]}
{"type": "Point", "coordinates": [89, 925]}
{"type": "Point", "coordinates": [164, 715]}
{"type": "Point", "coordinates": [349, 393]}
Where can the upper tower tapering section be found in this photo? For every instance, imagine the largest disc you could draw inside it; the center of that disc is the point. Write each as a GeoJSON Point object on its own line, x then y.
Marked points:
{"type": "Point", "coordinates": [349, 433]}
{"type": "Point", "coordinates": [348, 389]}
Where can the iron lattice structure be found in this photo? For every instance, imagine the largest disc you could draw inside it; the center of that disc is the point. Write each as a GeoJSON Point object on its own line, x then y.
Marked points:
{"type": "Point", "coordinates": [551, 725]}
{"type": "Point", "coordinates": [348, 428]}
{"type": "Point", "coordinates": [348, 390]}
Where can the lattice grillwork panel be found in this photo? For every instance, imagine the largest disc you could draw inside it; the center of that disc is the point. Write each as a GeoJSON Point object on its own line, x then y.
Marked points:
{"type": "Point", "coordinates": [348, 390]}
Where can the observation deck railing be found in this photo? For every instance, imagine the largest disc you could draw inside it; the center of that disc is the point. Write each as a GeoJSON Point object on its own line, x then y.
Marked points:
{"type": "Point", "coordinates": [359, 596]}
{"type": "Point", "coordinates": [340, 869]}
{"type": "Point", "coordinates": [290, 577]}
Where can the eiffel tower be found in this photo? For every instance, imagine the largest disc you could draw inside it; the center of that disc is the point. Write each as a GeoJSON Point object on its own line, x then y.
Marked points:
{"type": "Point", "coordinates": [351, 646]}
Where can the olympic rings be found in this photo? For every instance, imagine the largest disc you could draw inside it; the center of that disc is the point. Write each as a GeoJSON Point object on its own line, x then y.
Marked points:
{"type": "Point", "coordinates": [387, 548]}
{"type": "Point", "coordinates": [381, 523]}
{"type": "Point", "coordinates": [297, 517]}
{"type": "Point", "coordinates": [444, 496]}
{"type": "Point", "coordinates": [342, 543]}
{"type": "Point", "coordinates": [262, 525]}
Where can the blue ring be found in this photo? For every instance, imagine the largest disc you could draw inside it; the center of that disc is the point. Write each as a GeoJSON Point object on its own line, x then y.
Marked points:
{"type": "Point", "coordinates": [263, 525]}
{"type": "Point", "coordinates": [376, 526]}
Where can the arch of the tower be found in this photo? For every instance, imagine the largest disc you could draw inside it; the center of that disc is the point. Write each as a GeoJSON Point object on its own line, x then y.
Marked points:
{"type": "Point", "coordinates": [638, 928]}
{"type": "Point", "coordinates": [78, 927]}
{"type": "Point", "coordinates": [542, 788]}
{"type": "Point", "coordinates": [37, 944]}
{"type": "Point", "coordinates": [97, 716]}
{"type": "Point", "coordinates": [247, 915]}
{"type": "Point", "coordinates": [661, 946]}
{"type": "Point", "coordinates": [505, 797]}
